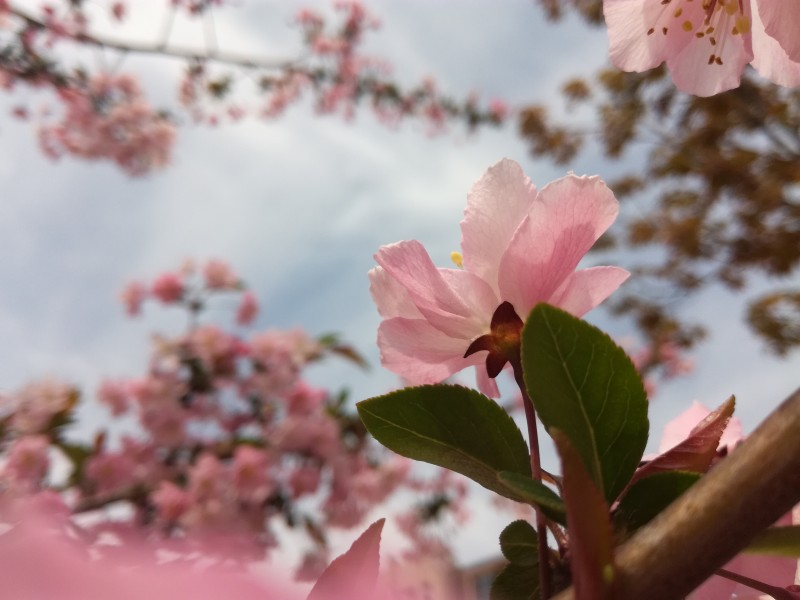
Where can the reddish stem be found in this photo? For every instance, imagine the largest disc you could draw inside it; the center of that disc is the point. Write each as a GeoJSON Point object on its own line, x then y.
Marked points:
{"type": "Point", "coordinates": [536, 473]}
{"type": "Point", "coordinates": [776, 592]}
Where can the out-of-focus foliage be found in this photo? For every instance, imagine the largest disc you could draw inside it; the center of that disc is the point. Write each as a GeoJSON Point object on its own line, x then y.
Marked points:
{"type": "Point", "coordinates": [712, 195]}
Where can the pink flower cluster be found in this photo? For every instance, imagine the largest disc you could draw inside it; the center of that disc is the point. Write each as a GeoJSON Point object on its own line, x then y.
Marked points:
{"type": "Point", "coordinates": [109, 118]}
{"type": "Point", "coordinates": [104, 116]}
{"type": "Point", "coordinates": [190, 286]}
{"type": "Point", "coordinates": [230, 438]}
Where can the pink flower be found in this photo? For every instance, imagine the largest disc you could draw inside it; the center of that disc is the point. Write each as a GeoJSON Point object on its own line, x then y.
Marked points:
{"type": "Point", "coordinates": [28, 461]}
{"type": "Point", "coordinates": [248, 309]}
{"type": "Point", "coordinates": [168, 287]}
{"type": "Point", "coordinates": [132, 297]}
{"type": "Point", "coordinates": [171, 501]}
{"type": "Point", "coordinates": [115, 395]}
{"type": "Point", "coordinates": [219, 276]}
{"type": "Point", "coordinates": [304, 400]}
{"type": "Point", "coordinates": [251, 476]}
{"type": "Point", "coordinates": [111, 472]}
{"type": "Point", "coordinates": [304, 480]}
{"type": "Point", "coordinates": [38, 402]}
{"type": "Point", "coordinates": [706, 44]}
{"type": "Point", "coordinates": [519, 246]}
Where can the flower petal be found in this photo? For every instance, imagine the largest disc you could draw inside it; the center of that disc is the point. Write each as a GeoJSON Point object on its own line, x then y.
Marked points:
{"type": "Point", "coordinates": [496, 205]}
{"type": "Point", "coordinates": [456, 302]}
{"type": "Point", "coordinates": [419, 352]}
{"type": "Point", "coordinates": [770, 59]}
{"type": "Point", "coordinates": [391, 298]}
{"type": "Point", "coordinates": [703, 68]}
{"type": "Point", "coordinates": [566, 219]}
{"type": "Point", "coordinates": [782, 22]}
{"type": "Point", "coordinates": [644, 33]}
{"type": "Point", "coordinates": [585, 289]}
{"type": "Point", "coordinates": [487, 385]}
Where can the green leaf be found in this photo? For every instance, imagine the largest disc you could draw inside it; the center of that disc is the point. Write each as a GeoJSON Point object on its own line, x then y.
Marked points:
{"type": "Point", "coordinates": [453, 427]}
{"type": "Point", "coordinates": [777, 541]}
{"type": "Point", "coordinates": [591, 541]}
{"type": "Point", "coordinates": [518, 543]}
{"type": "Point", "coordinates": [516, 582]}
{"type": "Point", "coordinates": [333, 344]}
{"type": "Point", "coordinates": [356, 569]}
{"type": "Point", "coordinates": [585, 385]}
{"type": "Point", "coordinates": [535, 492]}
{"type": "Point", "coordinates": [649, 496]}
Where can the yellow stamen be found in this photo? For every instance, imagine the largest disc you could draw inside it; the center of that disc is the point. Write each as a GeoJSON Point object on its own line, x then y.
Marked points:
{"type": "Point", "coordinates": [457, 259]}
{"type": "Point", "coordinates": [743, 24]}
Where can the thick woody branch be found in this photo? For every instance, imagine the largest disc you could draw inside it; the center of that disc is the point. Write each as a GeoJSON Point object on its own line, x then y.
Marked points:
{"type": "Point", "coordinates": [701, 531]}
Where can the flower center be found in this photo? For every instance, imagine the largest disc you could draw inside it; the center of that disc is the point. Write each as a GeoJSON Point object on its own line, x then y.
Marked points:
{"type": "Point", "coordinates": [502, 342]}
{"type": "Point", "coordinates": [716, 20]}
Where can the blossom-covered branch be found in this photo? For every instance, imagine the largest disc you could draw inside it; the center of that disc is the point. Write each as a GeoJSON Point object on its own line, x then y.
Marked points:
{"type": "Point", "coordinates": [104, 113]}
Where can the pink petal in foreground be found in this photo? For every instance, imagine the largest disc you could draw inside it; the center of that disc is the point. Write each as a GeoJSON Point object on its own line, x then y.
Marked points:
{"type": "Point", "coordinates": [565, 221]}
{"type": "Point", "coordinates": [39, 562]}
{"type": "Point", "coordinates": [770, 59]}
{"type": "Point", "coordinates": [585, 289]}
{"type": "Point", "coordinates": [496, 205]}
{"type": "Point", "coordinates": [781, 20]}
{"type": "Point", "coordinates": [354, 571]}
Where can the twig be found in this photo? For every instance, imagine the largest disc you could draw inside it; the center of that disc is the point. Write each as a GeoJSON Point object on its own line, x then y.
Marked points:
{"type": "Point", "coordinates": [161, 50]}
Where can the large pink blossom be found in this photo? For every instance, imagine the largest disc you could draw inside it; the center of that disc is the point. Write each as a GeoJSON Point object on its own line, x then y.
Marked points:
{"type": "Point", "coordinates": [519, 245]}
{"type": "Point", "coordinates": [706, 43]}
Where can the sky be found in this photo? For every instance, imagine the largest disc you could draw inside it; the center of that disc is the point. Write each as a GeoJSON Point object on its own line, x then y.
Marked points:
{"type": "Point", "coordinates": [299, 205]}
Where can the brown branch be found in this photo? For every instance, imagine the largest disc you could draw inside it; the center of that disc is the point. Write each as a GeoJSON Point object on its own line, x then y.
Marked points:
{"type": "Point", "coordinates": [701, 531]}
{"type": "Point", "coordinates": [162, 49]}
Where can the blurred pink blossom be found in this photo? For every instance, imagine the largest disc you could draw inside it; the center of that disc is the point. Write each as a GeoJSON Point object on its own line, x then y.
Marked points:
{"type": "Point", "coordinates": [37, 403]}
{"type": "Point", "coordinates": [218, 275]}
{"type": "Point", "coordinates": [110, 119]}
{"type": "Point", "coordinates": [247, 310]}
{"type": "Point", "coordinates": [168, 287]}
{"type": "Point", "coordinates": [115, 395]}
{"type": "Point", "coordinates": [132, 296]}
{"type": "Point", "coordinates": [27, 462]}
{"type": "Point", "coordinates": [170, 501]}
{"type": "Point", "coordinates": [110, 473]}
